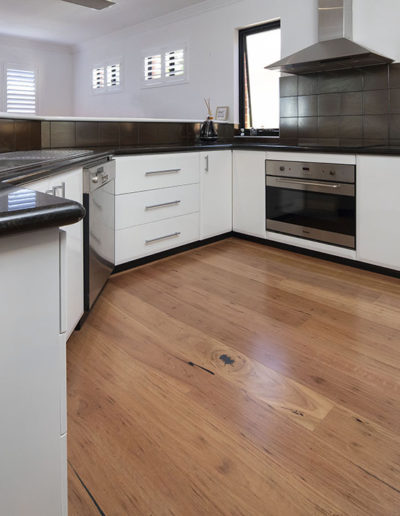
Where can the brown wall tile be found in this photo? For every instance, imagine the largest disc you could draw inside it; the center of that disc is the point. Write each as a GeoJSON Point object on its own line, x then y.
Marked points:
{"type": "Point", "coordinates": [7, 135]}
{"type": "Point", "coordinates": [62, 134]}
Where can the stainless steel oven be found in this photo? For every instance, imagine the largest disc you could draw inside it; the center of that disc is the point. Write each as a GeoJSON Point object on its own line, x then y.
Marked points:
{"type": "Point", "coordinates": [312, 200]}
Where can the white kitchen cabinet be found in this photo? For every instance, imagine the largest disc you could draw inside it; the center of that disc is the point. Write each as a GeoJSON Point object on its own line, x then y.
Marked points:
{"type": "Point", "coordinates": [215, 193]}
{"type": "Point", "coordinates": [147, 239]}
{"type": "Point", "coordinates": [151, 171]}
{"type": "Point", "coordinates": [157, 199]}
{"type": "Point", "coordinates": [378, 210]}
{"type": "Point", "coordinates": [33, 480]}
{"type": "Point", "coordinates": [249, 193]}
{"type": "Point", "coordinates": [69, 185]}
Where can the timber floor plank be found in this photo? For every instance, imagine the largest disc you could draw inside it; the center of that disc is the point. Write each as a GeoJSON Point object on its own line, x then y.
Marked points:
{"type": "Point", "coordinates": [237, 379]}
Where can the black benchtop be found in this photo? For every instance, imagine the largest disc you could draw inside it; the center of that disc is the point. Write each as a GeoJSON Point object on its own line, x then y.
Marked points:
{"type": "Point", "coordinates": [22, 209]}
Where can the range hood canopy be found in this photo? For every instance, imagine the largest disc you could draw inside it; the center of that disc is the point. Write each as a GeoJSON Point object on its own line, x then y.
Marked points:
{"type": "Point", "coordinates": [335, 49]}
{"type": "Point", "coordinates": [92, 4]}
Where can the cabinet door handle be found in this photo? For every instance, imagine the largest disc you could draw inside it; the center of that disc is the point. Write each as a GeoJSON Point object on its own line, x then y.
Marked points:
{"type": "Point", "coordinates": [59, 187]}
{"type": "Point", "coordinates": [206, 167]}
{"type": "Point", "coordinates": [168, 171]}
{"type": "Point", "coordinates": [162, 205]}
{"type": "Point", "coordinates": [157, 239]}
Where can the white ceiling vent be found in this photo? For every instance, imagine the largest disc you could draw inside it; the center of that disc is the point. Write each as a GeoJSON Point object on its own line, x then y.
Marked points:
{"type": "Point", "coordinates": [92, 4]}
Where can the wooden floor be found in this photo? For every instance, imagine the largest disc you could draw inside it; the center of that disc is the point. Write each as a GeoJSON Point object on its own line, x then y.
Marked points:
{"type": "Point", "coordinates": [237, 379]}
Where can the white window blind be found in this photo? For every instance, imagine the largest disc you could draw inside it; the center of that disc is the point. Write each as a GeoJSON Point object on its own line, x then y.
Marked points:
{"type": "Point", "coordinates": [98, 80]}
{"type": "Point", "coordinates": [175, 63]}
{"type": "Point", "coordinates": [113, 75]}
{"type": "Point", "coordinates": [152, 67]}
{"type": "Point", "coordinates": [21, 91]}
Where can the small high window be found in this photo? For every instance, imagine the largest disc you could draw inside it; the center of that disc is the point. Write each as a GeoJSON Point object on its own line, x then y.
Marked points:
{"type": "Point", "coordinates": [165, 67]}
{"type": "Point", "coordinates": [259, 46]}
{"type": "Point", "coordinates": [106, 78]}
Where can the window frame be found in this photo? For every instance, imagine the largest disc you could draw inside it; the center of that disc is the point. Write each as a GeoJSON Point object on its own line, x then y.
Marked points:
{"type": "Point", "coordinates": [165, 80]}
{"type": "Point", "coordinates": [243, 33]}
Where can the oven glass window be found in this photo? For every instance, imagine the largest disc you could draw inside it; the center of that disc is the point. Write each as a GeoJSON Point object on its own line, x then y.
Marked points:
{"type": "Point", "coordinates": [335, 213]}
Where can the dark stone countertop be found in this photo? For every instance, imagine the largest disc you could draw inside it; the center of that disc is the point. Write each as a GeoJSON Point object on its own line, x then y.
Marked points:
{"type": "Point", "coordinates": [242, 144]}
{"type": "Point", "coordinates": [22, 209]}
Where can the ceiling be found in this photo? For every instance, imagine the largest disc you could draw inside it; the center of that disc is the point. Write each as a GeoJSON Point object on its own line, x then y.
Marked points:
{"type": "Point", "coordinates": [61, 22]}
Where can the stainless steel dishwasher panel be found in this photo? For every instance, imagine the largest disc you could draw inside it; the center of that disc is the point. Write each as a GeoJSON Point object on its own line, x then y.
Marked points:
{"type": "Point", "coordinates": [99, 190]}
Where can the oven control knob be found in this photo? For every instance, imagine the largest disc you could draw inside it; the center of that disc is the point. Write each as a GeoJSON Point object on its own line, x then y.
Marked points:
{"type": "Point", "coordinates": [281, 168]}
{"type": "Point", "coordinates": [332, 173]}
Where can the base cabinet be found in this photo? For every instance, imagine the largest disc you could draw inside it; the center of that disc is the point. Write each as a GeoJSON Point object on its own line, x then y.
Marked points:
{"type": "Point", "coordinates": [378, 210]}
{"type": "Point", "coordinates": [156, 204]}
{"type": "Point", "coordinates": [32, 376]}
{"type": "Point", "coordinates": [249, 193]}
{"type": "Point", "coordinates": [69, 185]}
{"type": "Point", "coordinates": [215, 193]}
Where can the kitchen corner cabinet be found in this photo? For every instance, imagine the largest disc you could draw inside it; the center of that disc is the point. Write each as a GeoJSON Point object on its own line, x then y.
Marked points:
{"type": "Point", "coordinates": [378, 210]}
{"type": "Point", "coordinates": [249, 193]}
{"type": "Point", "coordinates": [215, 193]}
{"type": "Point", "coordinates": [70, 186]}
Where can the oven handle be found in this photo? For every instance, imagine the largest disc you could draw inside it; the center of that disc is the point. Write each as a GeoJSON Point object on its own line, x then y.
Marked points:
{"type": "Point", "coordinates": [309, 183]}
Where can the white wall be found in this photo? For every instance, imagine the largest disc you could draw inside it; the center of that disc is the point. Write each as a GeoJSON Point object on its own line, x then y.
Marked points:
{"type": "Point", "coordinates": [376, 25]}
{"type": "Point", "coordinates": [209, 30]}
{"type": "Point", "coordinates": [210, 34]}
{"type": "Point", "coordinates": [55, 68]}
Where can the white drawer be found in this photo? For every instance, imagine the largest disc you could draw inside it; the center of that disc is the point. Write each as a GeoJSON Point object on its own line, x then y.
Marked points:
{"type": "Point", "coordinates": [138, 208]}
{"type": "Point", "coordinates": [138, 241]}
{"type": "Point", "coordinates": [148, 172]}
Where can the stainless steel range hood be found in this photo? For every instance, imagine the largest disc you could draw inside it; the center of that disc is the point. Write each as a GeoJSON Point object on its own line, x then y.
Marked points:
{"type": "Point", "coordinates": [335, 49]}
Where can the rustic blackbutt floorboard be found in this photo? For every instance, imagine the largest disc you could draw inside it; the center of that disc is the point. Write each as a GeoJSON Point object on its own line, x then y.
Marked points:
{"type": "Point", "coordinates": [237, 379]}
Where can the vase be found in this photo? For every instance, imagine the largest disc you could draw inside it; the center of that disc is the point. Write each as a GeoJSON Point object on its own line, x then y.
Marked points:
{"type": "Point", "coordinates": [208, 132]}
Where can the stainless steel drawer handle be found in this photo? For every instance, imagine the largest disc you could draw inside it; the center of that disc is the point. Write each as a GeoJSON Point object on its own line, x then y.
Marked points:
{"type": "Point", "coordinates": [171, 235]}
{"type": "Point", "coordinates": [309, 183]}
{"type": "Point", "coordinates": [162, 205]}
{"type": "Point", "coordinates": [169, 171]}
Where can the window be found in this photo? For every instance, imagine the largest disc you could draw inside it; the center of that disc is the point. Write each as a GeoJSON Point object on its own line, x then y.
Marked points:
{"type": "Point", "coordinates": [259, 88]}
{"type": "Point", "coordinates": [165, 67]}
{"type": "Point", "coordinates": [20, 90]}
{"type": "Point", "coordinates": [113, 75]}
{"type": "Point", "coordinates": [175, 63]}
{"type": "Point", "coordinates": [152, 67]}
{"type": "Point", "coordinates": [106, 78]}
{"type": "Point", "coordinates": [98, 78]}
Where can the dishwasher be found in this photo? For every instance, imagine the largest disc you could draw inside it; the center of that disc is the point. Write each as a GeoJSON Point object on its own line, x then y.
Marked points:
{"type": "Point", "coordinates": [99, 227]}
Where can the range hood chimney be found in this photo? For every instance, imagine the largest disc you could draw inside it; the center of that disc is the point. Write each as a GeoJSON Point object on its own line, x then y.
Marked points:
{"type": "Point", "coordinates": [335, 49]}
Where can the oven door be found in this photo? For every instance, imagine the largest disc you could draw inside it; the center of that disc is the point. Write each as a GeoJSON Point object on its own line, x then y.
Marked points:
{"type": "Point", "coordinates": [315, 210]}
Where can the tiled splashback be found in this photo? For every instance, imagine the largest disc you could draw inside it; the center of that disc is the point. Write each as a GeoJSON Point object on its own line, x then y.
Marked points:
{"type": "Point", "coordinates": [354, 107]}
{"type": "Point", "coordinates": [29, 135]}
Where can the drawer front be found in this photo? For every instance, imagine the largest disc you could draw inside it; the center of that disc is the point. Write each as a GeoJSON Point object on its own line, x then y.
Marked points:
{"type": "Point", "coordinates": [149, 172]}
{"type": "Point", "coordinates": [138, 208]}
{"type": "Point", "coordinates": [136, 242]}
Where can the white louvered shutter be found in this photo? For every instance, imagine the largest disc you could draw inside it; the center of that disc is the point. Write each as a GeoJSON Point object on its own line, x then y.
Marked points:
{"type": "Point", "coordinates": [152, 67]}
{"type": "Point", "coordinates": [175, 63]}
{"type": "Point", "coordinates": [113, 75]}
{"type": "Point", "coordinates": [98, 80]}
{"type": "Point", "coordinates": [21, 91]}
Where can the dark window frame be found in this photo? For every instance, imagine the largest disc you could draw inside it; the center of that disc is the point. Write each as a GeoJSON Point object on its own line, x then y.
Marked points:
{"type": "Point", "coordinates": [243, 69]}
